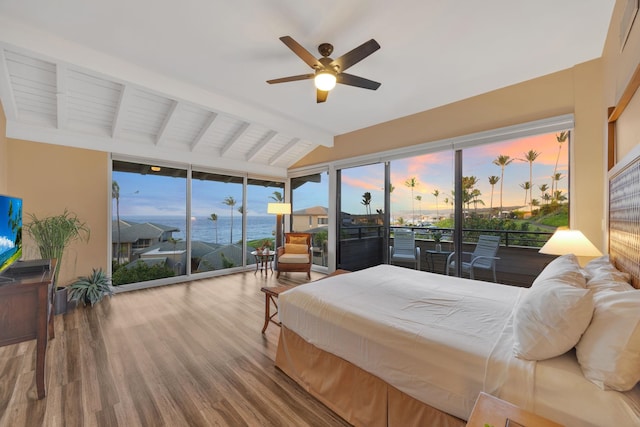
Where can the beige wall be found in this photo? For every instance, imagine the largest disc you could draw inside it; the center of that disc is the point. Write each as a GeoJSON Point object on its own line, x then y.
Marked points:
{"type": "Point", "coordinates": [577, 90]}
{"type": "Point", "coordinates": [4, 157]}
{"type": "Point", "coordinates": [51, 179]}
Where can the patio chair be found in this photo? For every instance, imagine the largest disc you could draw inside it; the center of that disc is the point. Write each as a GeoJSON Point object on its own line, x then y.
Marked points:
{"type": "Point", "coordinates": [404, 248]}
{"type": "Point", "coordinates": [483, 257]}
{"type": "Point", "coordinates": [295, 255]}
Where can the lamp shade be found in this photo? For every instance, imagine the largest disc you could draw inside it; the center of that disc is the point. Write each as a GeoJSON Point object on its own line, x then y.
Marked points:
{"type": "Point", "coordinates": [279, 208]}
{"type": "Point", "coordinates": [565, 241]}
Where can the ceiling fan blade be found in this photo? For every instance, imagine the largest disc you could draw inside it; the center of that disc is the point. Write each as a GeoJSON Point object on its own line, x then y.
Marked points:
{"type": "Point", "coordinates": [321, 95]}
{"type": "Point", "coordinates": [351, 80]}
{"type": "Point", "coordinates": [302, 53]}
{"type": "Point", "coordinates": [292, 78]}
{"type": "Point", "coordinates": [356, 55]}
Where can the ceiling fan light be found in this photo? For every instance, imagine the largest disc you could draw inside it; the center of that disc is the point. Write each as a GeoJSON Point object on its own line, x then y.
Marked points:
{"type": "Point", "coordinates": [325, 81]}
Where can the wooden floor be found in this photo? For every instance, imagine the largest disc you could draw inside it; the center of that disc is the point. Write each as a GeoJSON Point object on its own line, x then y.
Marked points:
{"type": "Point", "coordinates": [181, 355]}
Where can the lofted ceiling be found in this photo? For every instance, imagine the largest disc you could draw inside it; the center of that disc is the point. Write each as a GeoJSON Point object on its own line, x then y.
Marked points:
{"type": "Point", "coordinates": [186, 81]}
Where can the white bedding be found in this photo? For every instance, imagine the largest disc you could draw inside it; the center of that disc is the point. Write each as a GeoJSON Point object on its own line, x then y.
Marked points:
{"type": "Point", "coordinates": [442, 340]}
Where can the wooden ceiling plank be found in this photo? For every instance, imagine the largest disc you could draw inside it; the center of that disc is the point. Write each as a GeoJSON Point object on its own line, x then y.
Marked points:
{"type": "Point", "coordinates": [170, 117]}
{"type": "Point", "coordinates": [6, 90]}
{"type": "Point", "coordinates": [125, 96]}
{"type": "Point", "coordinates": [204, 131]}
{"type": "Point", "coordinates": [283, 150]}
{"type": "Point", "coordinates": [61, 95]}
{"type": "Point", "coordinates": [260, 145]}
{"type": "Point", "coordinates": [236, 136]}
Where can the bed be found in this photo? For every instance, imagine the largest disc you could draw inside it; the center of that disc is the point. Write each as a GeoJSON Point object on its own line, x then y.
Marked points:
{"type": "Point", "coordinates": [398, 347]}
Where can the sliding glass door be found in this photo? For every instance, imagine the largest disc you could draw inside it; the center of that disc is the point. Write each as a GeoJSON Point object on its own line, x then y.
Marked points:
{"type": "Point", "coordinates": [361, 227]}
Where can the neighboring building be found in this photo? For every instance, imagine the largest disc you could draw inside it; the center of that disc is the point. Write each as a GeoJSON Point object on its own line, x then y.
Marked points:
{"type": "Point", "coordinates": [305, 219]}
{"type": "Point", "coordinates": [135, 236]}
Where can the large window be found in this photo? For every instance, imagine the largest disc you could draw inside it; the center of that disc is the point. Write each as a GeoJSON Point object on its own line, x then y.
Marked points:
{"type": "Point", "coordinates": [216, 218]}
{"type": "Point", "coordinates": [169, 222]}
{"type": "Point", "coordinates": [149, 228]}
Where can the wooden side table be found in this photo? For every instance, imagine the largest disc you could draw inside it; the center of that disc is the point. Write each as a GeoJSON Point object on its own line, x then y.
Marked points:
{"type": "Point", "coordinates": [264, 261]}
{"type": "Point", "coordinates": [496, 412]}
{"type": "Point", "coordinates": [271, 294]}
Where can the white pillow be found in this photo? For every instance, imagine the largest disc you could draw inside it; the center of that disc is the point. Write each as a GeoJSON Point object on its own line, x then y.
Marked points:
{"type": "Point", "coordinates": [602, 265]}
{"type": "Point", "coordinates": [607, 281]}
{"type": "Point", "coordinates": [564, 268]}
{"type": "Point", "coordinates": [550, 319]}
{"type": "Point", "coordinates": [609, 350]}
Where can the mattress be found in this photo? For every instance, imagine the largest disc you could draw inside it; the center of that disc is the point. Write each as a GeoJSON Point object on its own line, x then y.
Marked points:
{"type": "Point", "coordinates": [442, 340]}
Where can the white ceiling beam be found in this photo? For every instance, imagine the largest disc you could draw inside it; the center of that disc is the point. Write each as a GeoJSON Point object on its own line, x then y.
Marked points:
{"type": "Point", "coordinates": [62, 111]}
{"type": "Point", "coordinates": [283, 150]}
{"type": "Point", "coordinates": [204, 131]}
{"type": "Point", "coordinates": [260, 145]}
{"type": "Point", "coordinates": [236, 136]}
{"type": "Point", "coordinates": [64, 137]}
{"type": "Point", "coordinates": [168, 120]}
{"type": "Point", "coordinates": [118, 119]}
{"type": "Point", "coordinates": [6, 91]}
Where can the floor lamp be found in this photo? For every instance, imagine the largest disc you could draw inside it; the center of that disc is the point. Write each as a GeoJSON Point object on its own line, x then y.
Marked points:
{"type": "Point", "coordinates": [279, 209]}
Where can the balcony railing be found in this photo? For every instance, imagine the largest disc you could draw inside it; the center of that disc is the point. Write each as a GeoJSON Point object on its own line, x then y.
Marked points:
{"type": "Point", "coordinates": [519, 264]}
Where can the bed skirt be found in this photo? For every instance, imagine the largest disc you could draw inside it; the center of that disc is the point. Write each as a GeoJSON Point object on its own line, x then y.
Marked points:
{"type": "Point", "coordinates": [357, 396]}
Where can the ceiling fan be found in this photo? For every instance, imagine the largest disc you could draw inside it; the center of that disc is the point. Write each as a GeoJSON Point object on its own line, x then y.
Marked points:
{"type": "Point", "coordinates": [329, 71]}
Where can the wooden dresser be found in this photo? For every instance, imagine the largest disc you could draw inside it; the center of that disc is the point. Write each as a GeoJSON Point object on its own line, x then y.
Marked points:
{"type": "Point", "coordinates": [26, 312]}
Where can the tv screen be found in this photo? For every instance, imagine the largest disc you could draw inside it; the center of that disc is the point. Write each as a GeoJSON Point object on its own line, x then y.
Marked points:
{"type": "Point", "coordinates": [10, 231]}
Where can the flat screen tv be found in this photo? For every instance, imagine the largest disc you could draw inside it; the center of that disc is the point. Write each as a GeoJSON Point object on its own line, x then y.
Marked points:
{"type": "Point", "coordinates": [10, 231]}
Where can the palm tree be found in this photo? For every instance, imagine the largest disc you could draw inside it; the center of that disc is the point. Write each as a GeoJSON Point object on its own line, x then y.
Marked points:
{"type": "Point", "coordinates": [503, 161]}
{"type": "Point", "coordinates": [277, 197]}
{"type": "Point", "coordinates": [115, 194]}
{"type": "Point", "coordinates": [556, 179]}
{"type": "Point", "coordinates": [231, 202]}
{"type": "Point", "coordinates": [436, 193]}
{"type": "Point", "coordinates": [543, 190]}
{"type": "Point", "coordinates": [213, 217]}
{"type": "Point", "coordinates": [412, 183]}
{"type": "Point", "coordinates": [468, 184]}
{"type": "Point", "coordinates": [475, 193]}
{"type": "Point", "coordinates": [366, 201]}
{"type": "Point", "coordinates": [493, 180]}
{"type": "Point", "coordinates": [526, 186]}
{"type": "Point", "coordinates": [530, 156]}
{"type": "Point", "coordinates": [561, 138]}
{"type": "Point", "coordinates": [419, 199]}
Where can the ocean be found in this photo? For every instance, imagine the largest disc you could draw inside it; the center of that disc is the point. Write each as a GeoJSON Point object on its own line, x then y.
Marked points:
{"type": "Point", "coordinates": [203, 229]}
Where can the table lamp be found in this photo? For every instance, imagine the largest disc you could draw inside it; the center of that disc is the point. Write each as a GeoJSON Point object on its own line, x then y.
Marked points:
{"type": "Point", "coordinates": [565, 241]}
{"type": "Point", "coordinates": [279, 209]}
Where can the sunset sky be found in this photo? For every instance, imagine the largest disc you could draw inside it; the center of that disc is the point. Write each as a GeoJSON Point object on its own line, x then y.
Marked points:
{"type": "Point", "coordinates": [435, 171]}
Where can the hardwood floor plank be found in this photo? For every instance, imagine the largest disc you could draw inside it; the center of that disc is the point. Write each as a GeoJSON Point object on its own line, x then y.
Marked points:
{"type": "Point", "coordinates": [190, 354]}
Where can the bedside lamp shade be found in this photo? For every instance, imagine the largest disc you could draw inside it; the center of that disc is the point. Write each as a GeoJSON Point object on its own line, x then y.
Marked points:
{"type": "Point", "coordinates": [565, 241]}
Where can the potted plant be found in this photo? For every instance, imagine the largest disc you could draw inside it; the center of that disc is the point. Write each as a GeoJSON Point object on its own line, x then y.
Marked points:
{"type": "Point", "coordinates": [53, 235]}
{"type": "Point", "coordinates": [437, 238]}
{"type": "Point", "coordinates": [90, 289]}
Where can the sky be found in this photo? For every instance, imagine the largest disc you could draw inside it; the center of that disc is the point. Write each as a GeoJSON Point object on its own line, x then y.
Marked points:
{"type": "Point", "coordinates": [152, 195]}
{"type": "Point", "coordinates": [435, 172]}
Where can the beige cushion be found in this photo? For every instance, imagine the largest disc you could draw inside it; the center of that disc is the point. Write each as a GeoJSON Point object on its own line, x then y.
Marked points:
{"type": "Point", "coordinates": [288, 258]}
{"type": "Point", "coordinates": [298, 240]}
{"type": "Point", "coordinates": [294, 248]}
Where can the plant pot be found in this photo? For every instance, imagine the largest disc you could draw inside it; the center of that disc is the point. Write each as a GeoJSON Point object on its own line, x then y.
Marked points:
{"type": "Point", "coordinates": [60, 301]}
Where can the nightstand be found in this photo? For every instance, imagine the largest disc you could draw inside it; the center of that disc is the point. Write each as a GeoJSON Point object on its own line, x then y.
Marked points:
{"type": "Point", "coordinates": [495, 412]}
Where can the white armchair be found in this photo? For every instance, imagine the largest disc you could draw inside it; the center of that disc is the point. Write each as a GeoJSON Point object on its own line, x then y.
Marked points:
{"type": "Point", "coordinates": [404, 248]}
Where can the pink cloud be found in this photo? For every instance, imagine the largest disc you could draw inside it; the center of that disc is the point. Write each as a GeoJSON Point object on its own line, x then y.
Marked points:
{"type": "Point", "coordinates": [359, 183]}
